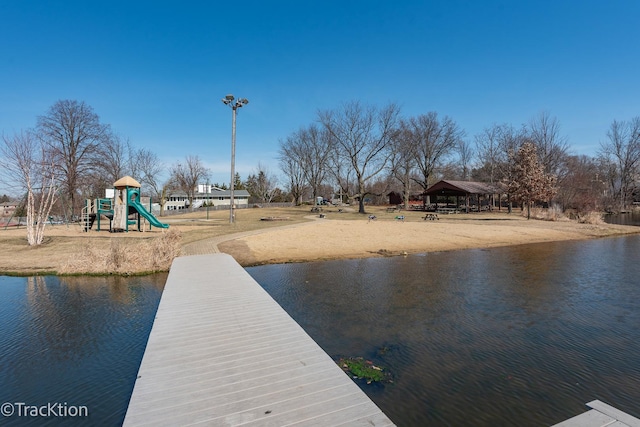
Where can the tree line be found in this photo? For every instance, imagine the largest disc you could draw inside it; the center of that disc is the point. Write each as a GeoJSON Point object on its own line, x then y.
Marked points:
{"type": "Point", "coordinates": [356, 151]}
{"type": "Point", "coordinates": [364, 151]}
{"type": "Point", "coordinates": [71, 155]}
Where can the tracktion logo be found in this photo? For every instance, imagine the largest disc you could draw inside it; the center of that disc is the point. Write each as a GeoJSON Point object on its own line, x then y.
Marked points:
{"type": "Point", "coordinates": [50, 410]}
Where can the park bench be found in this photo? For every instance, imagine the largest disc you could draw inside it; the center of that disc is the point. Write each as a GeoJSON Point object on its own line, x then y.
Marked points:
{"type": "Point", "coordinates": [430, 217]}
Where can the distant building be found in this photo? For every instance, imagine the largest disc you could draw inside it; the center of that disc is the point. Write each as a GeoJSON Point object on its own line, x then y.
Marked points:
{"type": "Point", "coordinates": [467, 195]}
{"type": "Point", "coordinates": [395, 198]}
{"type": "Point", "coordinates": [212, 196]}
{"type": "Point", "coordinates": [8, 208]}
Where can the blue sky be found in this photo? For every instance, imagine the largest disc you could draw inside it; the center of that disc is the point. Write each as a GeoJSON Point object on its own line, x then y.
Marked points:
{"type": "Point", "coordinates": [156, 71]}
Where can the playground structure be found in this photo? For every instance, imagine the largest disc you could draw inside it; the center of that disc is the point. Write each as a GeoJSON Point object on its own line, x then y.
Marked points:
{"type": "Point", "coordinates": [119, 208]}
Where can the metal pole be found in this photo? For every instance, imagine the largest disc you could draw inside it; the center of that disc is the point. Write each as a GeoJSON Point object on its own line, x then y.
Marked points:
{"type": "Point", "coordinates": [233, 160]}
{"type": "Point", "coordinates": [234, 104]}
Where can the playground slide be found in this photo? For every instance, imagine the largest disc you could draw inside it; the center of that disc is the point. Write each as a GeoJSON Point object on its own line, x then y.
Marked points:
{"type": "Point", "coordinates": [146, 214]}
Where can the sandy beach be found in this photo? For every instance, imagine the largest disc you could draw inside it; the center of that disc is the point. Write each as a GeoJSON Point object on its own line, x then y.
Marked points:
{"type": "Point", "coordinates": [333, 239]}
{"type": "Point", "coordinates": [300, 237]}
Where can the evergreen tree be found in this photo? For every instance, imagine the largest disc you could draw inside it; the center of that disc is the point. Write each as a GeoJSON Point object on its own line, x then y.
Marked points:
{"type": "Point", "coordinates": [237, 183]}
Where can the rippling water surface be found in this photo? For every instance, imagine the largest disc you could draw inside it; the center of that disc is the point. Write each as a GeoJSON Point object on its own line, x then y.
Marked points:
{"type": "Point", "coordinates": [77, 340]}
{"type": "Point", "coordinates": [509, 336]}
{"type": "Point", "coordinates": [629, 218]}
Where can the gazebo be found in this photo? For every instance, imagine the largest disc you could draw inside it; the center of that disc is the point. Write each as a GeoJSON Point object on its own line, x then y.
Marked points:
{"type": "Point", "coordinates": [476, 195]}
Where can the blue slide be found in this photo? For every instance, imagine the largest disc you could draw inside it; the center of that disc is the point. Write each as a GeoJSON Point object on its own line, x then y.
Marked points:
{"type": "Point", "coordinates": [134, 200]}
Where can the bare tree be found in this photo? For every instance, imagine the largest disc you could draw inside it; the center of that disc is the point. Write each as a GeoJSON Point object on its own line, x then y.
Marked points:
{"type": "Point", "coordinates": [343, 175]}
{"type": "Point", "coordinates": [495, 146]}
{"type": "Point", "coordinates": [112, 162]}
{"type": "Point", "coordinates": [489, 153]}
{"type": "Point", "coordinates": [26, 160]}
{"type": "Point", "coordinates": [465, 157]}
{"type": "Point", "coordinates": [529, 182]}
{"type": "Point", "coordinates": [188, 175]}
{"type": "Point", "coordinates": [310, 148]}
{"type": "Point", "coordinates": [582, 188]}
{"type": "Point", "coordinates": [290, 165]}
{"type": "Point", "coordinates": [315, 147]}
{"type": "Point", "coordinates": [621, 154]}
{"type": "Point", "coordinates": [403, 162]}
{"type": "Point", "coordinates": [150, 170]}
{"type": "Point", "coordinates": [551, 146]}
{"type": "Point", "coordinates": [115, 159]}
{"type": "Point", "coordinates": [73, 135]}
{"type": "Point", "coordinates": [362, 136]}
{"type": "Point", "coordinates": [433, 139]}
{"type": "Point", "coordinates": [378, 189]}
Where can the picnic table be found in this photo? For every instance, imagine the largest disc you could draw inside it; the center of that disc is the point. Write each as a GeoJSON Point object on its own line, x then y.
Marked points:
{"type": "Point", "coordinates": [430, 217]}
{"type": "Point", "coordinates": [447, 210]}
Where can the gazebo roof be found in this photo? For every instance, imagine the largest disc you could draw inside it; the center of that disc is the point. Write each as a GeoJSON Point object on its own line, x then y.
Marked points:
{"type": "Point", "coordinates": [463, 188]}
{"type": "Point", "coordinates": [126, 181]}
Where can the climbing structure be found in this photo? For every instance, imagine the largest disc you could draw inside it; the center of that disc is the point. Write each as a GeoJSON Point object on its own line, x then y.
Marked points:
{"type": "Point", "coordinates": [122, 210]}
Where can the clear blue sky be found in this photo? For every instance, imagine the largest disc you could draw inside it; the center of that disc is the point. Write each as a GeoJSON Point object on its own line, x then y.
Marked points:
{"type": "Point", "coordinates": [156, 71]}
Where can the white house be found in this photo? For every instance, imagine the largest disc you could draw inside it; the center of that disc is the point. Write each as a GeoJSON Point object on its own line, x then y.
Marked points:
{"type": "Point", "coordinates": [8, 208]}
{"type": "Point", "coordinates": [212, 196]}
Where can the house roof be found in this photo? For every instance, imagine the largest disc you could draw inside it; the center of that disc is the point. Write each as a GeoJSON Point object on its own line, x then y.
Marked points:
{"type": "Point", "coordinates": [463, 188]}
{"type": "Point", "coordinates": [214, 193]}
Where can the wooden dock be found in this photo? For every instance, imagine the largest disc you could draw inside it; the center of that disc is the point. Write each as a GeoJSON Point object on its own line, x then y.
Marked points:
{"type": "Point", "coordinates": [601, 415]}
{"type": "Point", "coordinates": [222, 352]}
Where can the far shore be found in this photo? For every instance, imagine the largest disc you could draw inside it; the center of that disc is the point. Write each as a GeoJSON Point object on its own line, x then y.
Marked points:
{"type": "Point", "coordinates": [298, 236]}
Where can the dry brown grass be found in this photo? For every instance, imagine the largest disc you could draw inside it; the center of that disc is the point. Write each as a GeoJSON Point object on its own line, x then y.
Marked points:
{"type": "Point", "coordinates": [195, 225]}
{"type": "Point", "coordinates": [126, 257]}
{"type": "Point", "coordinates": [591, 218]}
{"type": "Point", "coordinates": [546, 214]}
{"type": "Point", "coordinates": [69, 250]}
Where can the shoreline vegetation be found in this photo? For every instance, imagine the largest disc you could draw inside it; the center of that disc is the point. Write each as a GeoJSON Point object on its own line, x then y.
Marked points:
{"type": "Point", "coordinates": [300, 236]}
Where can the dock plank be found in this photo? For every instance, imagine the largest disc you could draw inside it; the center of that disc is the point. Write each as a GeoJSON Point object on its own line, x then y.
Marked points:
{"type": "Point", "coordinates": [601, 415]}
{"type": "Point", "coordinates": [223, 352]}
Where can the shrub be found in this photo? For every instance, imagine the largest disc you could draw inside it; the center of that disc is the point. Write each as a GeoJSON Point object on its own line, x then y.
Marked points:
{"type": "Point", "coordinates": [591, 217]}
{"type": "Point", "coordinates": [553, 213]}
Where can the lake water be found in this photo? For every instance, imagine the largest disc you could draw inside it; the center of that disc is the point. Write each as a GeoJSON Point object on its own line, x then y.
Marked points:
{"type": "Point", "coordinates": [509, 336]}
{"type": "Point", "coordinates": [521, 336]}
{"type": "Point", "coordinates": [74, 342]}
{"type": "Point", "coordinates": [629, 218]}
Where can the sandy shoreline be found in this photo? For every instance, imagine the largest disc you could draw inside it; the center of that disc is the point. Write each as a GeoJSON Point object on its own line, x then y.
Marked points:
{"type": "Point", "coordinates": [254, 242]}
{"type": "Point", "coordinates": [335, 239]}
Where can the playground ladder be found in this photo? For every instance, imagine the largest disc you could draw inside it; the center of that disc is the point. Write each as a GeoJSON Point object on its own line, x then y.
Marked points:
{"type": "Point", "coordinates": [85, 220]}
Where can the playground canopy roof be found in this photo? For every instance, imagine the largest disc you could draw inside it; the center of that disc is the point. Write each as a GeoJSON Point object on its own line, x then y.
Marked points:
{"type": "Point", "coordinates": [126, 181]}
{"type": "Point", "coordinates": [464, 188]}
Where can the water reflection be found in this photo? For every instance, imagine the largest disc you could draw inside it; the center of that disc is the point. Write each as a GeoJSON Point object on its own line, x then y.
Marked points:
{"type": "Point", "coordinates": [629, 218]}
{"type": "Point", "coordinates": [77, 340]}
{"type": "Point", "coordinates": [510, 336]}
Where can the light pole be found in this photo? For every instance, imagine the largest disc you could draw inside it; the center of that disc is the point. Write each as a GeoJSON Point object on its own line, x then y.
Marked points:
{"type": "Point", "coordinates": [208, 198]}
{"type": "Point", "coordinates": [234, 104]}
